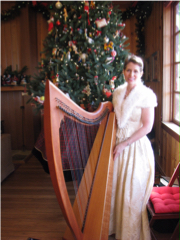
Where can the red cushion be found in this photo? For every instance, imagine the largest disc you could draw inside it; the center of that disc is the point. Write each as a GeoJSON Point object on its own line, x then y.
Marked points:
{"type": "Point", "coordinates": [165, 199]}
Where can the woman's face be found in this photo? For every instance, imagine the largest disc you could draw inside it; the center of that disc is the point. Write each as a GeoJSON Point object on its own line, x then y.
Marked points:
{"type": "Point", "coordinates": [132, 74]}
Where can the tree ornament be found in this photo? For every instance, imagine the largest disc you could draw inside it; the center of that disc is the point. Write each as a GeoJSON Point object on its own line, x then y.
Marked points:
{"type": "Point", "coordinates": [65, 30]}
{"type": "Point", "coordinates": [50, 27]}
{"type": "Point", "coordinates": [68, 55]}
{"type": "Point", "coordinates": [84, 56]}
{"type": "Point", "coordinates": [58, 23]}
{"type": "Point", "coordinates": [109, 45]}
{"type": "Point", "coordinates": [109, 60]}
{"type": "Point", "coordinates": [42, 63]}
{"type": "Point", "coordinates": [121, 25]}
{"type": "Point", "coordinates": [65, 14]}
{"type": "Point", "coordinates": [86, 9]}
{"type": "Point", "coordinates": [39, 99]}
{"type": "Point", "coordinates": [98, 33]}
{"type": "Point", "coordinates": [101, 23]}
{"type": "Point", "coordinates": [87, 90]}
{"type": "Point", "coordinates": [54, 51]}
{"type": "Point", "coordinates": [96, 80]}
{"type": "Point", "coordinates": [80, 30]}
{"type": "Point", "coordinates": [113, 53]}
{"type": "Point", "coordinates": [51, 20]}
{"type": "Point", "coordinates": [90, 40]}
{"type": "Point", "coordinates": [58, 5]}
{"type": "Point", "coordinates": [106, 92]}
{"type": "Point", "coordinates": [57, 77]}
{"type": "Point", "coordinates": [92, 5]}
{"type": "Point", "coordinates": [106, 39]}
{"type": "Point", "coordinates": [111, 83]}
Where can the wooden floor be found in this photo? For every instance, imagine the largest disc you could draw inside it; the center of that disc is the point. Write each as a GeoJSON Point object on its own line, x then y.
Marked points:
{"type": "Point", "coordinates": [29, 208]}
{"type": "Point", "coordinates": [28, 205]}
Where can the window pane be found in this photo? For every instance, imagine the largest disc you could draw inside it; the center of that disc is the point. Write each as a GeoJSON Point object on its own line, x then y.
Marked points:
{"type": "Point", "coordinates": [177, 47]}
{"type": "Point", "coordinates": [176, 107]}
{"type": "Point", "coordinates": [178, 17]}
{"type": "Point", "coordinates": [177, 77]}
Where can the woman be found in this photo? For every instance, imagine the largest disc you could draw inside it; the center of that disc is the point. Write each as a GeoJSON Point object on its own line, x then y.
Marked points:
{"type": "Point", "coordinates": [133, 155]}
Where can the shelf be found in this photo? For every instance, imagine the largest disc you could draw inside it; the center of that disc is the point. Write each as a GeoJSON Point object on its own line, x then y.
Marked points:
{"type": "Point", "coordinates": [12, 88]}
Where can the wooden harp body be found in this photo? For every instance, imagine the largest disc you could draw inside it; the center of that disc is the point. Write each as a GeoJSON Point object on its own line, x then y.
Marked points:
{"type": "Point", "coordinates": [88, 218]}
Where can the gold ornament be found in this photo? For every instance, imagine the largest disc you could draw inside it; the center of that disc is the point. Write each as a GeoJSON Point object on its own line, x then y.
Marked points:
{"type": "Point", "coordinates": [65, 14]}
{"type": "Point", "coordinates": [58, 5]}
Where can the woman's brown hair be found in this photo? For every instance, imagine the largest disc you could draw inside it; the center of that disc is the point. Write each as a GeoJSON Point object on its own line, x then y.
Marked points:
{"type": "Point", "coordinates": [134, 59]}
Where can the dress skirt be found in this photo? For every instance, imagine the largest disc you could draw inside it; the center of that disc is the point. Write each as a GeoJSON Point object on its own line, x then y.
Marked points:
{"type": "Point", "coordinates": [133, 180]}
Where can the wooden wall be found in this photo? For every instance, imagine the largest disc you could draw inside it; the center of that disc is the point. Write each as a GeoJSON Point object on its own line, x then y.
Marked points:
{"type": "Point", "coordinates": [22, 39]}
{"type": "Point", "coordinates": [18, 119]}
{"type": "Point", "coordinates": [154, 43]}
{"type": "Point", "coordinates": [21, 44]}
{"type": "Point", "coordinates": [170, 153]}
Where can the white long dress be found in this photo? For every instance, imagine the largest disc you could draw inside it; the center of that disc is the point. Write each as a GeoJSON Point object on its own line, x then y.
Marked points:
{"type": "Point", "coordinates": [133, 175]}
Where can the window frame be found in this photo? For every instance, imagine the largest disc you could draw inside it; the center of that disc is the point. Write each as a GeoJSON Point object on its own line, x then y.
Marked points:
{"type": "Point", "coordinates": [167, 83]}
{"type": "Point", "coordinates": [174, 63]}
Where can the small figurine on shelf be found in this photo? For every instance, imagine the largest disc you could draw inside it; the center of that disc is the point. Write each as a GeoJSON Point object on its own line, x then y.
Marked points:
{"type": "Point", "coordinates": [23, 81]}
{"type": "Point", "coordinates": [3, 80]}
{"type": "Point", "coordinates": [8, 80]}
{"type": "Point", "coordinates": [14, 80]}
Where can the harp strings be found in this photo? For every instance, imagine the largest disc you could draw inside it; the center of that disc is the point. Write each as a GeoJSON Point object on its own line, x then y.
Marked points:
{"type": "Point", "coordinates": [78, 140]}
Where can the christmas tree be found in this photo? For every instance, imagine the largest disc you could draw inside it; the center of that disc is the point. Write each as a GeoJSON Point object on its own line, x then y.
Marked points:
{"type": "Point", "coordinates": [84, 53]}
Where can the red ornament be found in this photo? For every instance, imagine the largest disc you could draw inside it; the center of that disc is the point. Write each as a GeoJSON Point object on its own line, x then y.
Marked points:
{"type": "Point", "coordinates": [58, 23]}
{"type": "Point", "coordinates": [108, 94]}
{"type": "Point", "coordinates": [34, 3]}
{"type": "Point", "coordinates": [121, 24]}
{"type": "Point", "coordinates": [89, 50]}
{"type": "Point", "coordinates": [50, 27]}
{"type": "Point", "coordinates": [98, 33]}
{"type": "Point", "coordinates": [86, 7]}
{"type": "Point", "coordinates": [113, 53]}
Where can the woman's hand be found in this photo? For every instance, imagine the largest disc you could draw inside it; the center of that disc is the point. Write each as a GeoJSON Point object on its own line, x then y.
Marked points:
{"type": "Point", "coordinates": [118, 149]}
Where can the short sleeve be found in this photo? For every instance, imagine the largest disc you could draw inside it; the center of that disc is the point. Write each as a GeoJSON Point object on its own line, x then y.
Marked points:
{"type": "Point", "coordinates": [149, 99]}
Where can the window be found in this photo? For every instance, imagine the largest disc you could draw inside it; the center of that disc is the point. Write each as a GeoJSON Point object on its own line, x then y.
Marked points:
{"type": "Point", "coordinates": [176, 63]}
{"type": "Point", "coordinates": [171, 63]}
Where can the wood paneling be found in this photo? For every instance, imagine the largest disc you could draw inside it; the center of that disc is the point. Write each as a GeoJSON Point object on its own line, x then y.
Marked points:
{"type": "Point", "coordinates": [18, 119]}
{"type": "Point", "coordinates": [154, 43]}
{"type": "Point", "coordinates": [170, 154]}
{"type": "Point", "coordinates": [130, 32]}
{"type": "Point", "coordinates": [42, 30]}
{"type": "Point", "coordinates": [20, 40]}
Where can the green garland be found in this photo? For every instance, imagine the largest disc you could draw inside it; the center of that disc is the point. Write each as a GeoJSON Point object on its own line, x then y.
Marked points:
{"type": "Point", "coordinates": [15, 11]}
{"type": "Point", "coordinates": [141, 10]}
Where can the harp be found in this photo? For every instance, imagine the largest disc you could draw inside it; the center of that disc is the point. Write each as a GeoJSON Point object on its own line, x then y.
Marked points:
{"type": "Point", "coordinates": [88, 217]}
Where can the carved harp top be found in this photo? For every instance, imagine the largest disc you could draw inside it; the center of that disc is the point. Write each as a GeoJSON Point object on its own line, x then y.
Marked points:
{"type": "Point", "coordinates": [64, 122]}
